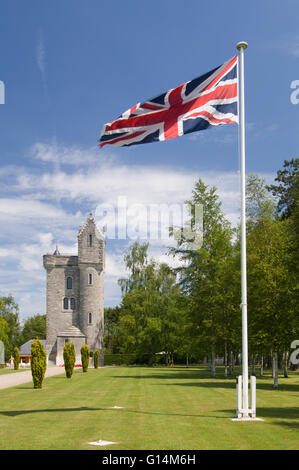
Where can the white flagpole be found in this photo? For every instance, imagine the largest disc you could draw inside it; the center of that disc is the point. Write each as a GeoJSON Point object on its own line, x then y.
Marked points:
{"type": "Point", "coordinates": [241, 46]}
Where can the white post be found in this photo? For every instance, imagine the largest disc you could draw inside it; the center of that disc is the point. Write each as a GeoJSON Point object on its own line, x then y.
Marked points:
{"type": "Point", "coordinates": [239, 396]}
{"type": "Point", "coordinates": [241, 46]}
{"type": "Point", "coordinates": [253, 395]}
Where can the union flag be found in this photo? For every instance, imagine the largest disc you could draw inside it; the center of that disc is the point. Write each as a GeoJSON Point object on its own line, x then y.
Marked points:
{"type": "Point", "coordinates": [209, 100]}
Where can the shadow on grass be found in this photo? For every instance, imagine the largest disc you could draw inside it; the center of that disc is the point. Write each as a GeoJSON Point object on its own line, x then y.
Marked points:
{"type": "Point", "coordinates": [280, 413]}
{"type": "Point", "coordinates": [170, 374]}
{"type": "Point", "coordinates": [160, 413]}
{"type": "Point", "coordinates": [286, 424]}
{"type": "Point", "coordinates": [232, 385]}
{"type": "Point", "coordinates": [204, 380]}
{"type": "Point", "coordinates": [86, 408]}
{"type": "Point", "coordinates": [291, 413]}
{"type": "Point", "coordinates": [49, 410]}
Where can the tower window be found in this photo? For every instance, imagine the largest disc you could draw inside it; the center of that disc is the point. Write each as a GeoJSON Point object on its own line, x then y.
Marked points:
{"type": "Point", "coordinates": [65, 303]}
{"type": "Point", "coordinates": [90, 240]}
{"type": "Point", "coordinates": [90, 318]}
{"type": "Point", "coordinates": [73, 303]}
{"type": "Point", "coordinates": [89, 278]}
{"type": "Point", "coordinates": [69, 283]}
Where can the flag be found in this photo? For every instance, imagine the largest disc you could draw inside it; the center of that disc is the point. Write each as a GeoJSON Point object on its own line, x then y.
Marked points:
{"type": "Point", "coordinates": [209, 100]}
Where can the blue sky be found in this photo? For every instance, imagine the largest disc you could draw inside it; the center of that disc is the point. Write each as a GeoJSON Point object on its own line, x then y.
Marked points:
{"type": "Point", "coordinates": [70, 66]}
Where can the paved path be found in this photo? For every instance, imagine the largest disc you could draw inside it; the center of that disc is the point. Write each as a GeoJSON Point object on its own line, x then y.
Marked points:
{"type": "Point", "coordinates": [18, 378]}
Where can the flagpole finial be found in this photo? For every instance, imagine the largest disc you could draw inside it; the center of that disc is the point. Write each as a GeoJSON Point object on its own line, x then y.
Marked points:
{"type": "Point", "coordinates": [242, 45]}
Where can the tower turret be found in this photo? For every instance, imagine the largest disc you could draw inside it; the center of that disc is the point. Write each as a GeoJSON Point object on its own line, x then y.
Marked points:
{"type": "Point", "coordinates": [91, 261]}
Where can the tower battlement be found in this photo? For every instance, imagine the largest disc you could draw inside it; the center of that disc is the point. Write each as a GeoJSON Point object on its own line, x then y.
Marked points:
{"type": "Point", "coordinates": [51, 261]}
{"type": "Point", "coordinates": [91, 244]}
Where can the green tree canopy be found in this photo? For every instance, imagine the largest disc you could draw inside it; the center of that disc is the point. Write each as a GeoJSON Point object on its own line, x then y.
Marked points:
{"type": "Point", "coordinates": [201, 275]}
{"type": "Point", "coordinates": [34, 326]}
{"type": "Point", "coordinates": [271, 310]}
{"type": "Point", "coordinates": [4, 336]}
{"type": "Point", "coordinates": [287, 188]}
{"type": "Point", "coordinates": [9, 310]}
{"type": "Point", "coordinates": [149, 309]}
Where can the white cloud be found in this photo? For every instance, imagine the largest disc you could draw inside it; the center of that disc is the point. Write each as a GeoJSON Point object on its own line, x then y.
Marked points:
{"type": "Point", "coordinates": [74, 155]}
{"type": "Point", "coordinates": [40, 53]}
{"type": "Point", "coordinates": [45, 205]}
{"type": "Point", "coordinates": [28, 209]}
{"type": "Point", "coordinates": [114, 267]}
{"type": "Point", "coordinates": [287, 44]}
{"type": "Point", "coordinates": [293, 45]}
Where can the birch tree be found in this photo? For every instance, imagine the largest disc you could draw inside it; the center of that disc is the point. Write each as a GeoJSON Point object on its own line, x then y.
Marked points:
{"type": "Point", "coordinates": [201, 276]}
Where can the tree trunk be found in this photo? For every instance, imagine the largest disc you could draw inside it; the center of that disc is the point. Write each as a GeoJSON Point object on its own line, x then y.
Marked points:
{"type": "Point", "coordinates": [280, 361]}
{"type": "Point", "coordinates": [231, 363]}
{"type": "Point", "coordinates": [285, 366]}
{"type": "Point", "coordinates": [209, 363]}
{"type": "Point", "coordinates": [225, 360]}
{"type": "Point", "coordinates": [253, 365]}
{"type": "Point", "coordinates": [171, 360]}
{"type": "Point", "coordinates": [166, 359]}
{"type": "Point", "coordinates": [150, 359]}
{"type": "Point", "coordinates": [275, 369]}
{"type": "Point", "coordinates": [269, 361]}
{"type": "Point", "coordinates": [213, 363]}
{"type": "Point", "coordinates": [187, 361]}
{"type": "Point", "coordinates": [262, 366]}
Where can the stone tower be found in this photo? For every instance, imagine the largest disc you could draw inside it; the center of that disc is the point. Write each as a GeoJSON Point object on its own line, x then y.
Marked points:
{"type": "Point", "coordinates": [75, 295]}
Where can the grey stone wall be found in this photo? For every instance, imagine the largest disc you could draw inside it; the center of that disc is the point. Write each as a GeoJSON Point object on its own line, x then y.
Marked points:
{"type": "Point", "coordinates": [92, 302]}
{"type": "Point", "coordinates": [58, 319]}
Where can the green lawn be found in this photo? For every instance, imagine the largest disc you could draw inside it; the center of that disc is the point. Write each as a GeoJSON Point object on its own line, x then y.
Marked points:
{"type": "Point", "coordinates": [164, 408]}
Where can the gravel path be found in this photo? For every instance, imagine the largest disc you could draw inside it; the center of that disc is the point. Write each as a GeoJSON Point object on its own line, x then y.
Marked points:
{"type": "Point", "coordinates": [18, 378]}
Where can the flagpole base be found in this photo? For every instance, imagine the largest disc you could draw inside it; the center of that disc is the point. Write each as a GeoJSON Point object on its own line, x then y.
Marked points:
{"type": "Point", "coordinates": [245, 413]}
{"type": "Point", "coordinates": [248, 418]}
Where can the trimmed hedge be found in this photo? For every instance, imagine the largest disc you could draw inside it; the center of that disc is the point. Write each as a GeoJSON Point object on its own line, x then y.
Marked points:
{"type": "Point", "coordinates": [16, 354]}
{"type": "Point", "coordinates": [69, 357]}
{"type": "Point", "coordinates": [38, 362]}
{"type": "Point", "coordinates": [85, 354]}
{"type": "Point", "coordinates": [96, 358]}
{"type": "Point", "coordinates": [128, 359]}
{"type": "Point", "coordinates": [143, 359]}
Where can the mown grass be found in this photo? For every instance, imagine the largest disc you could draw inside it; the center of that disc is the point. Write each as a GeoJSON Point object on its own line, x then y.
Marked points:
{"type": "Point", "coordinates": [164, 408]}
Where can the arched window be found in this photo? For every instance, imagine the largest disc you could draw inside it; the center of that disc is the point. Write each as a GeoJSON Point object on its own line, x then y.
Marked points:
{"type": "Point", "coordinates": [89, 278]}
{"type": "Point", "coordinates": [90, 240]}
{"type": "Point", "coordinates": [90, 318]}
{"type": "Point", "coordinates": [73, 304]}
{"type": "Point", "coordinates": [65, 303]}
{"type": "Point", "coordinates": [69, 283]}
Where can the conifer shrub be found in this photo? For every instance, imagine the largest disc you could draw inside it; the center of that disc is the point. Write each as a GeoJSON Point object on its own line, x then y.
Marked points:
{"type": "Point", "coordinates": [16, 354]}
{"type": "Point", "coordinates": [96, 358]}
{"type": "Point", "coordinates": [69, 357]}
{"type": "Point", "coordinates": [38, 363]}
{"type": "Point", "coordinates": [85, 353]}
